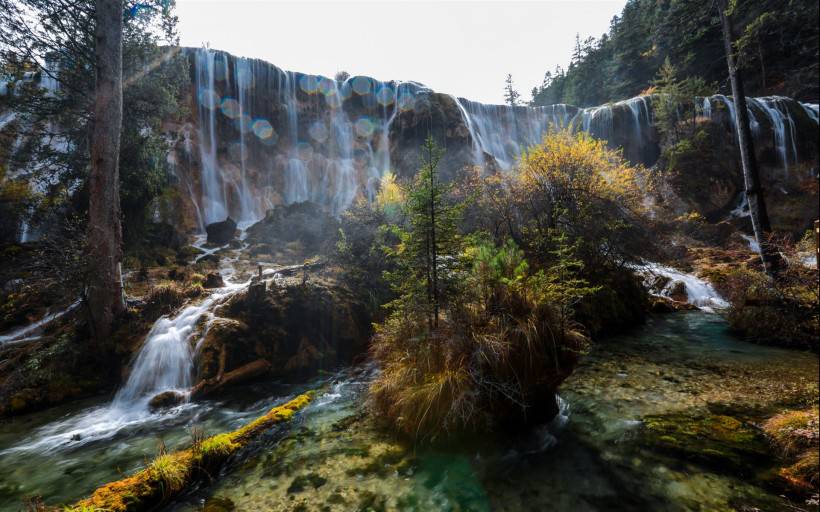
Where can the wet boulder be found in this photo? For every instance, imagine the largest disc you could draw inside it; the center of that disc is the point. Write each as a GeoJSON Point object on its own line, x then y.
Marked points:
{"type": "Point", "coordinates": [221, 233]}
{"type": "Point", "coordinates": [287, 331]}
{"type": "Point", "coordinates": [224, 345]}
{"type": "Point", "coordinates": [677, 292]}
{"type": "Point", "coordinates": [166, 400]}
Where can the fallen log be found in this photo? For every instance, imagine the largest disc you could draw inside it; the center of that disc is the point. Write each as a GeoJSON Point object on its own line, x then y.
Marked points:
{"type": "Point", "coordinates": [170, 474]}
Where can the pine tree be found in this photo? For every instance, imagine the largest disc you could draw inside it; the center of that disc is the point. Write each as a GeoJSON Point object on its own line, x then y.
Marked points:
{"type": "Point", "coordinates": [577, 52]}
{"type": "Point", "coordinates": [511, 96]}
{"type": "Point", "coordinates": [429, 245]}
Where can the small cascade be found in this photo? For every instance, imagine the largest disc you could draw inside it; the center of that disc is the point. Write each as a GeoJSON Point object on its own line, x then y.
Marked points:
{"type": "Point", "coordinates": [29, 331]}
{"type": "Point", "coordinates": [699, 293]}
{"type": "Point", "coordinates": [165, 361]}
{"type": "Point", "coordinates": [812, 110]}
{"type": "Point", "coordinates": [778, 114]}
{"type": "Point", "coordinates": [753, 245]}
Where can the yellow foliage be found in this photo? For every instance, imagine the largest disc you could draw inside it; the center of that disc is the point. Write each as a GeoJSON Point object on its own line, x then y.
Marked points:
{"type": "Point", "coordinates": [390, 194]}
{"type": "Point", "coordinates": [580, 168]}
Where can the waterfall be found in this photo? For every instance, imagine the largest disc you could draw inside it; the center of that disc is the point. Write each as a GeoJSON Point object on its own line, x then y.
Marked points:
{"type": "Point", "coordinates": [165, 361]}
{"type": "Point", "coordinates": [504, 132]}
{"type": "Point", "coordinates": [25, 333]}
{"type": "Point", "coordinates": [269, 136]}
{"type": "Point", "coordinates": [208, 102]}
{"type": "Point", "coordinates": [244, 77]}
{"type": "Point", "coordinates": [776, 110]}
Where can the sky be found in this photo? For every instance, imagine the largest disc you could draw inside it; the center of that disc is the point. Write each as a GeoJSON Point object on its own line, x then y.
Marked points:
{"type": "Point", "coordinates": [465, 48]}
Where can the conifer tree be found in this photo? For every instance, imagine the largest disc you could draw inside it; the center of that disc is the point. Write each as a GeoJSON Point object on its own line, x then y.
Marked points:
{"type": "Point", "coordinates": [429, 245]}
{"type": "Point", "coordinates": [511, 96]}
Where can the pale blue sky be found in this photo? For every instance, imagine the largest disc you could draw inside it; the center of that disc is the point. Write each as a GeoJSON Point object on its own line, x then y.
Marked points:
{"type": "Point", "coordinates": [459, 47]}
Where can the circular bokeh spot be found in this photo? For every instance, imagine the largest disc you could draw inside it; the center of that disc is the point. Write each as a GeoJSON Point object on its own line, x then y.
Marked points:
{"type": "Point", "coordinates": [362, 85]}
{"type": "Point", "coordinates": [263, 129]}
{"type": "Point", "coordinates": [385, 96]}
{"type": "Point", "coordinates": [364, 127]}
{"type": "Point", "coordinates": [318, 131]}
{"type": "Point", "coordinates": [309, 84]}
{"type": "Point", "coordinates": [230, 107]}
{"type": "Point", "coordinates": [208, 98]}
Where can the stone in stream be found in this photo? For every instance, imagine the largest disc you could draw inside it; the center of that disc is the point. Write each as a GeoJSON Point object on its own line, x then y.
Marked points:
{"type": "Point", "coordinates": [677, 292]}
{"type": "Point", "coordinates": [165, 400]}
{"type": "Point", "coordinates": [213, 280]}
{"type": "Point", "coordinates": [221, 233]}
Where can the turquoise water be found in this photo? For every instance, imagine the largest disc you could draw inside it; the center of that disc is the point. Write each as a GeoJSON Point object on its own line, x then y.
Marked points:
{"type": "Point", "coordinates": [593, 457]}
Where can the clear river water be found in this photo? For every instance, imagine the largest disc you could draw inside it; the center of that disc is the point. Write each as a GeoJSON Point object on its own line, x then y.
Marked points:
{"type": "Point", "coordinates": [592, 457]}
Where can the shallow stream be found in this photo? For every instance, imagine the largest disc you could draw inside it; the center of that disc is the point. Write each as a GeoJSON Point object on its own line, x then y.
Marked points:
{"type": "Point", "coordinates": [594, 456]}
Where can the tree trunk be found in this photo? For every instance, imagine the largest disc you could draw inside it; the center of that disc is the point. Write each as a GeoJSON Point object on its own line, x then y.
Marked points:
{"type": "Point", "coordinates": [105, 297]}
{"type": "Point", "coordinates": [433, 240]}
{"type": "Point", "coordinates": [751, 177]}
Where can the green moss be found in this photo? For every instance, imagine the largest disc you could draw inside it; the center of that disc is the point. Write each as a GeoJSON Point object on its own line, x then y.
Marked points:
{"type": "Point", "coordinates": [218, 446]}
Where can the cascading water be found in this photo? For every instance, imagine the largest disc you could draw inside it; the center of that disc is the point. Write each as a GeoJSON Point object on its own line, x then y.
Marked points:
{"type": "Point", "coordinates": [323, 140]}
{"type": "Point", "coordinates": [504, 132]}
{"type": "Point", "coordinates": [208, 101]}
{"type": "Point", "coordinates": [699, 293]}
{"type": "Point", "coordinates": [268, 136]}
{"type": "Point", "coordinates": [778, 114]}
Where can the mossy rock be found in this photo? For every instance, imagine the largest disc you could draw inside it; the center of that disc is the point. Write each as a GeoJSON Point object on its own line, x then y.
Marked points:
{"type": "Point", "coordinates": [720, 442]}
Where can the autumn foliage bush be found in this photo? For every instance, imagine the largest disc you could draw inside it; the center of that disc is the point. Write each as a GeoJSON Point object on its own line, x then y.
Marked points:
{"type": "Point", "coordinates": [488, 274]}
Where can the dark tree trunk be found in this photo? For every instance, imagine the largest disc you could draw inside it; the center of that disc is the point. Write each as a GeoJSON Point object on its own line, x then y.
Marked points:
{"type": "Point", "coordinates": [751, 176]}
{"type": "Point", "coordinates": [105, 297]}
{"type": "Point", "coordinates": [434, 242]}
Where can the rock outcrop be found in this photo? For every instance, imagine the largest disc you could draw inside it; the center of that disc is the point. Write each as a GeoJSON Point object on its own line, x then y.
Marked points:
{"type": "Point", "coordinates": [221, 233]}
{"type": "Point", "coordinates": [289, 330]}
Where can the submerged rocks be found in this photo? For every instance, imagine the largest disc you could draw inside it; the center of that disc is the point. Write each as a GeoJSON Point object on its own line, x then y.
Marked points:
{"type": "Point", "coordinates": [221, 233]}
{"type": "Point", "coordinates": [722, 442]}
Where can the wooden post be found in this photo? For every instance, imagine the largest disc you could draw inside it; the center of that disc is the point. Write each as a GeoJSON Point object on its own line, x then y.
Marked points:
{"type": "Point", "coordinates": [817, 243]}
